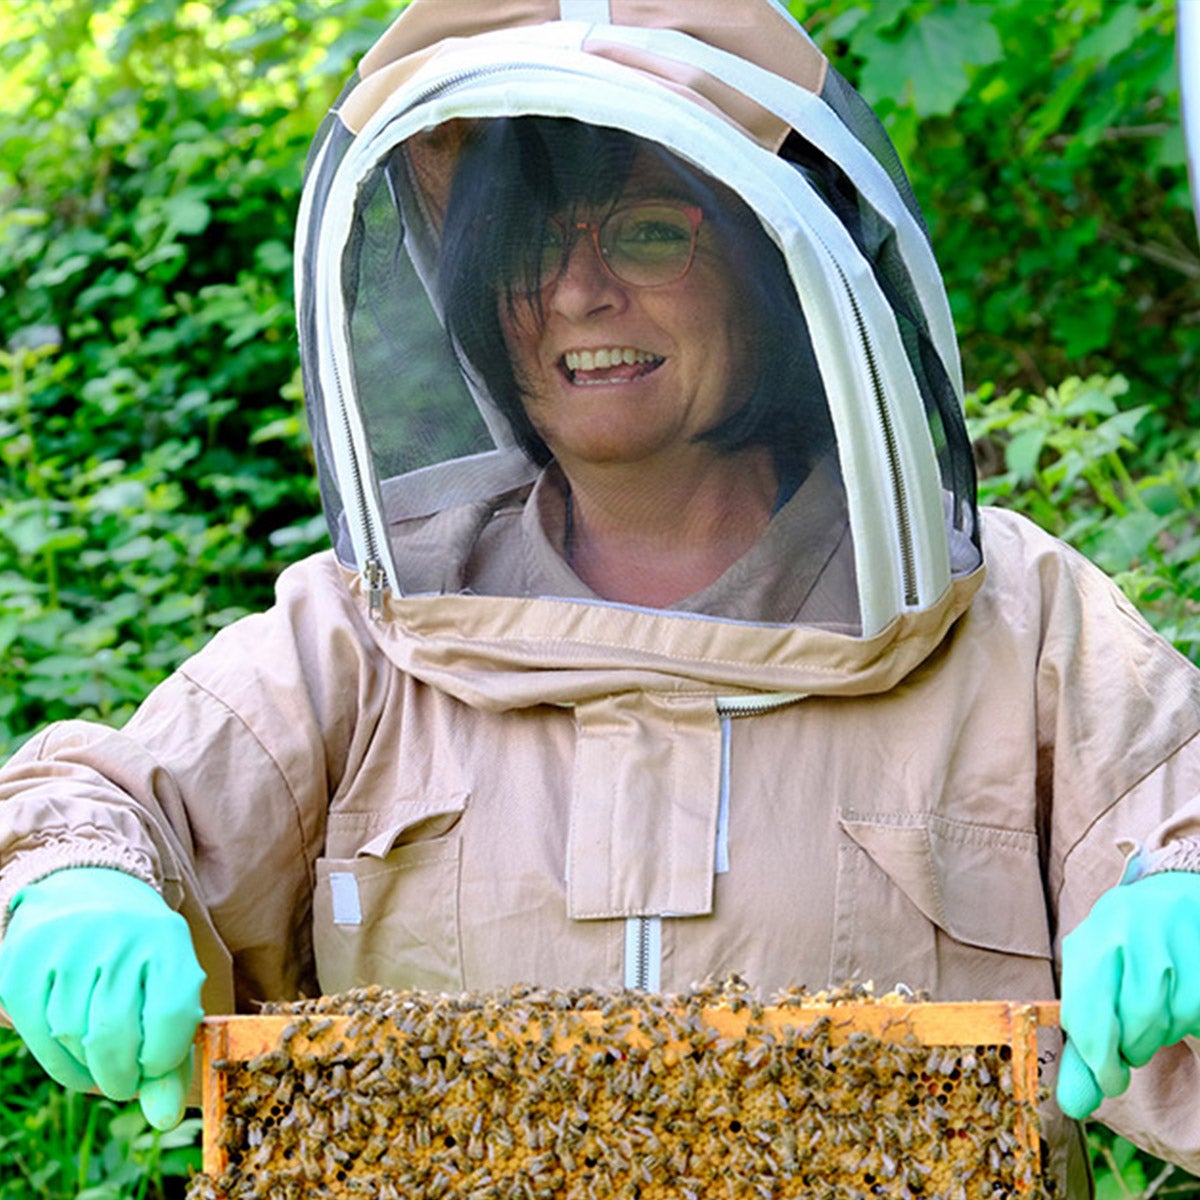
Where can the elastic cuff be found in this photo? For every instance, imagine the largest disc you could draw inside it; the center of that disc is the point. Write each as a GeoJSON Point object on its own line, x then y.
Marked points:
{"type": "Point", "coordinates": [1180, 855]}
{"type": "Point", "coordinates": [61, 855]}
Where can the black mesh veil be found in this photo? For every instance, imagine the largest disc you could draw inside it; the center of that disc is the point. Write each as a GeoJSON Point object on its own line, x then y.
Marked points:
{"type": "Point", "coordinates": [561, 341]}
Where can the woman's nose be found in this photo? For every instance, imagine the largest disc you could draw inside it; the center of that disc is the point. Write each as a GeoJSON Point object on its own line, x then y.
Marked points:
{"type": "Point", "coordinates": [585, 285]}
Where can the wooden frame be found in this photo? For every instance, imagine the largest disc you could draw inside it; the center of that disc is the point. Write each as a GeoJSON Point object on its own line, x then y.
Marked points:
{"type": "Point", "coordinates": [241, 1039]}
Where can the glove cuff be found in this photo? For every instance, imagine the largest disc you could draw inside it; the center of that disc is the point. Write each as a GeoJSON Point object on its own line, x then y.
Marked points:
{"type": "Point", "coordinates": [1182, 854]}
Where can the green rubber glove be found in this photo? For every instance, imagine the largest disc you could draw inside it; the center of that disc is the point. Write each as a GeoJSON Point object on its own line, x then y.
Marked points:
{"type": "Point", "coordinates": [1130, 985]}
{"type": "Point", "coordinates": [100, 979]}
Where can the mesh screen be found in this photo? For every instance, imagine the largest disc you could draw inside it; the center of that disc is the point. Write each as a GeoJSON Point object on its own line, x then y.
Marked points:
{"type": "Point", "coordinates": [583, 371]}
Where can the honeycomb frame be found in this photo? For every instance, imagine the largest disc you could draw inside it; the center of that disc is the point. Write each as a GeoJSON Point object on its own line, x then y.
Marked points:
{"type": "Point", "coordinates": [545, 1044]}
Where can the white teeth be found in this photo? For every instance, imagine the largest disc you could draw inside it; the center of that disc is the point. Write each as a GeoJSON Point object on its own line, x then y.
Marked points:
{"type": "Point", "coordinates": [598, 360]}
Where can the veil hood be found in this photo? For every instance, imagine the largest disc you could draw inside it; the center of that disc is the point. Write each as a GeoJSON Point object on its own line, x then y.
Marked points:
{"type": "Point", "coordinates": [411, 440]}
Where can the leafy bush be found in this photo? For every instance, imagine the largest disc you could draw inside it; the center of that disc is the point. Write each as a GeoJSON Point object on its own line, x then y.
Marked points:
{"type": "Point", "coordinates": [156, 475]}
{"type": "Point", "coordinates": [60, 1145]}
{"type": "Point", "coordinates": [1045, 146]}
{"type": "Point", "coordinates": [1067, 460]}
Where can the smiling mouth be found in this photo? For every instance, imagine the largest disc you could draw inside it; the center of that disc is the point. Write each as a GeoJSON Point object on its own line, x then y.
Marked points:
{"type": "Point", "coordinates": [620, 364]}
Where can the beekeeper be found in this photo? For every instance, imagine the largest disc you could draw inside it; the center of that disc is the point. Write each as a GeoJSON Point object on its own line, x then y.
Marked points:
{"type": "Point", "coordinates": [661, 636]}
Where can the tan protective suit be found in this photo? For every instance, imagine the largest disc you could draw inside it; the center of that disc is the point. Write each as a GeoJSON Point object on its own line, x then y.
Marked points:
{"type": "Point", "coordinates": [935, 808]}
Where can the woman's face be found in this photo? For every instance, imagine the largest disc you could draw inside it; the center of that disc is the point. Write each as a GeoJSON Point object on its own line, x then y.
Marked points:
{"type": "Point", "coordinates": [616, 373]}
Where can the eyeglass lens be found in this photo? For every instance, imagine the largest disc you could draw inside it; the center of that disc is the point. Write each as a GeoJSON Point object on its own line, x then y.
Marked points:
{"type": "Point", "coordinates": [645, 244]}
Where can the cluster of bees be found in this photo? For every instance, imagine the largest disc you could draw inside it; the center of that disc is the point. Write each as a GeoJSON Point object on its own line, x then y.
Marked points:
{"type": "Point", "coordinates": [589, 1095]}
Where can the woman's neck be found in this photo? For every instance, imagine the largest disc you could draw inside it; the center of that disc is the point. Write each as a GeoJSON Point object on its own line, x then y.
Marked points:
{"type": "Point", "coordinates": [646, 538]}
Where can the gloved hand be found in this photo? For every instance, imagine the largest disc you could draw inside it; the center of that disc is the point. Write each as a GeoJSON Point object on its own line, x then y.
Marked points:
{"type": "Point", "coordinates": [100, 979]}
{"type": "Point", "coordinates": [1130, 985]}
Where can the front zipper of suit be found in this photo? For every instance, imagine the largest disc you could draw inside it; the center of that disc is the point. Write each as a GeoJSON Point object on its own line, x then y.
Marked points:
{"type": "Point", "coordinates": [643, 934]}
{"type": "Point", "coordinates": [643, 953]}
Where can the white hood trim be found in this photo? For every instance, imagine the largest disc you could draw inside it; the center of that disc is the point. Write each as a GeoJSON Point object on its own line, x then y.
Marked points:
{"type": "Point", "coordinates": [886, 451]}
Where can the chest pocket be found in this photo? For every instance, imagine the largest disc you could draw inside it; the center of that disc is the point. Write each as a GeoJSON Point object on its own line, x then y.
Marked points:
{"type": "Point", "coordinates": [951, 907]}
{"type": "Point", "coordinates": [385, 909]}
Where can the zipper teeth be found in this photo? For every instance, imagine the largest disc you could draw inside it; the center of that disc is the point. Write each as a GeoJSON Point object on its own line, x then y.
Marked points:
{"type": "Point", "coordinates": [747, 706]}
{"type": "Point", "coordinates": [482, 72]}
{"type": "Point", "coordinates": [899, 493]}
{"type": "Point", "coordinates": [359, 491]}
{"type": "Point", "coordinates": [642, 981]}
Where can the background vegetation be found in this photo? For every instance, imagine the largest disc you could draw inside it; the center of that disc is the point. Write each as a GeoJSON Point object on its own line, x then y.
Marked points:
{"type": "Point", "coordinates": [155, 472]}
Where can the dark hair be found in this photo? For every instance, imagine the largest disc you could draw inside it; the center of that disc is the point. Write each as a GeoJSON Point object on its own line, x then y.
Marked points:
{"type": "Point", "coordinates": [513, 173]}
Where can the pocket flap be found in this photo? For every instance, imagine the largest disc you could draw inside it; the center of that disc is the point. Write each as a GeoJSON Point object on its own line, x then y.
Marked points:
{"type": "Point", "coordinates": [377, 834]}
{"type": "Point", "coordinates": [980, 883]}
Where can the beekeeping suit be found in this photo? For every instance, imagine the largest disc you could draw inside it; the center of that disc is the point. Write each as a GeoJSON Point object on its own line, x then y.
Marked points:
{"type": "Point", "coordinates": [892, 740]}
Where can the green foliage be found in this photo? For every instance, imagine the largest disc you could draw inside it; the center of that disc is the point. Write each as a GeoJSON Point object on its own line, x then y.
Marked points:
{"type": "Point", "coordinates": [1123, 1172]}
{"type": "Point", "coordinates": [1045, 147]}
{"type": "Point", "coordinates": [155, 472]}
{"type": "Point", "coordinates": [1068, 458]}
{"type": "Point", "coordinates": [59, 1145]}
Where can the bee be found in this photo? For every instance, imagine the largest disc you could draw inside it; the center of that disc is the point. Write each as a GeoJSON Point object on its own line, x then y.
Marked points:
{"type": "Point", "coordinates": [202, 1187]}
{"type": "Point", "coordinates": [312, 1169]}
{"type": "Point", "coordinates": [270, 1062]}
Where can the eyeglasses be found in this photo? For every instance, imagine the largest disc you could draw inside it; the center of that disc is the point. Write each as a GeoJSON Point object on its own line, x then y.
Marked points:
{"type": "Point", "coordinates": [647, 243]}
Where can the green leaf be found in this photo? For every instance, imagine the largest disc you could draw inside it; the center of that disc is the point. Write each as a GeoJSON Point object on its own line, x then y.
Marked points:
{"type": "Point", "coordinates": [33, 533]}
{"type": "Point", "coordinates": [927, 66]}
{"type": "Point", "coordinates": [186, 1133]}
{"type": "Point", "coordinates": [1116, 34]}
{"type": "Point", "coordinates": [273, 257]}
{"type": "Point", "coordinates": [60, 272]}
{"type": "Point", "coordinates": [1125, 541]}
{"type": "Point", "coordinates": [1129, 1179]}
{"type": "Point", "coordinates": [112, 285]}
{"type": "Point", "coordinates": [845, 23]}
{"type": "Point", "coordinates": [187, 213]}
{"type": "Point", "coordinates": [1087, 401]}
{"type": "Point", "coordinates": [1116, 432]}
{"type": "Point", "coordinates": [1021, 455]}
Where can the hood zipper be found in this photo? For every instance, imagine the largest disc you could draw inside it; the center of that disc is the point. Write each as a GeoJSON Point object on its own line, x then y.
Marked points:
{"type": "Point", "coordinates": [900, 505]}
{"type": "Point", "coordinates": [373, 573]}
{"type": "Point", "coordinates": [472, 74]}
{"type": "Point", "coordinates": [376, 580]}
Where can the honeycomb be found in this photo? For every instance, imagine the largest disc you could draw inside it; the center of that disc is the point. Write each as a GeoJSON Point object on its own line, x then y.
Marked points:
{"type": "Point", "coordinates": [588, 1095]}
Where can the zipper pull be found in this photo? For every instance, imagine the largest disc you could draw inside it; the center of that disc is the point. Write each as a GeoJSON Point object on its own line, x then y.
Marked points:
{"type": "Point", "coordinates": [375, 580]}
